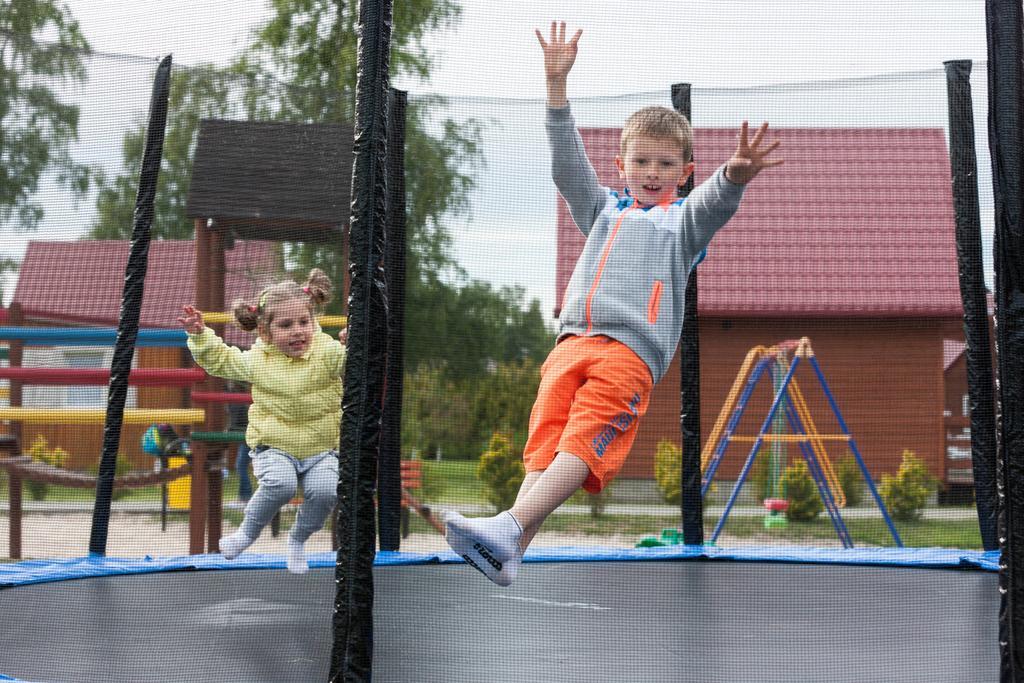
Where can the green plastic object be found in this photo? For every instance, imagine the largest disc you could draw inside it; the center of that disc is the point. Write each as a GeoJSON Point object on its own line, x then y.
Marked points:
{"type": "Point", "coordinates": [775, 522]}
{"type": "Point", "coordinates": [218, 437]}
{"type": "Point", "coordinates": [668, 537]}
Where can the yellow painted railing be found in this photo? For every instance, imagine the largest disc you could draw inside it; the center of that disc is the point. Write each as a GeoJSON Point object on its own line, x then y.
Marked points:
{"type": "Point", "coordinates": [81, 416]}
{"type": "Point", "coordinates": [216, 317]}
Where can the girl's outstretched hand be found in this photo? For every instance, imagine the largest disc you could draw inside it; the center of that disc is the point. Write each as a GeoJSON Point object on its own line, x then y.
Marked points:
{"type": "Point", "coordinates": [343, 336]}
{"type": "Point", "coordinates": [191, 319]}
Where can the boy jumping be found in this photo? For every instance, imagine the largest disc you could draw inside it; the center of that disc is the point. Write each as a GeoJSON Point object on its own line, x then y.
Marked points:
{"type": "Point", "coordinates": [622, 313]}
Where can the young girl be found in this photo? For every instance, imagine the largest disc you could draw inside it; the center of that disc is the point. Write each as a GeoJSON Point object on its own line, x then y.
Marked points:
{"type": "Point", "coordinates": [295, 372]}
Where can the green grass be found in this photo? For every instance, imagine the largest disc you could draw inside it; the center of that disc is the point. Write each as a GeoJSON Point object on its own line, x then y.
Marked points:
{"type": "Point", "coordinates": [960, 534]}
{"type": "Point", "coordinates": [929, 533]}
{"type": "Point", "coordinates": [452, 482]}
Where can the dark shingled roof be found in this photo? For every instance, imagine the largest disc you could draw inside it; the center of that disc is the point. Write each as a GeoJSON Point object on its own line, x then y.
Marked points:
{"type": "Point", "coordinates": [273, 181]}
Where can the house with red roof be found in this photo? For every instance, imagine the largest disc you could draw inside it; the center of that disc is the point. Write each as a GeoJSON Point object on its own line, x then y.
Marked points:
{"type": "Point", "coordinates": [253, 185]}
{"type": "Point", "coordinates": [850, 243]}
{"type": "Point", "coordinates": [79, 283]}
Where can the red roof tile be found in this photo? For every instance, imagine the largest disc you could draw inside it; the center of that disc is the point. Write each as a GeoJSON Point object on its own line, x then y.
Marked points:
{"type": "Point", "coordinates": [857, 222]}
{"type": "Point", "coordinates": [81, 281]}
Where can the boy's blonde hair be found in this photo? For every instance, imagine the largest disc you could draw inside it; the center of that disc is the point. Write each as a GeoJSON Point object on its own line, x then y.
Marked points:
{"type": "Point", "coordinates": [658, 122]}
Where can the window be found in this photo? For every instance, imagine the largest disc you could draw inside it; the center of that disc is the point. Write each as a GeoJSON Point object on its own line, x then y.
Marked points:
{"type": "Point", "coordinates": [84, 396]}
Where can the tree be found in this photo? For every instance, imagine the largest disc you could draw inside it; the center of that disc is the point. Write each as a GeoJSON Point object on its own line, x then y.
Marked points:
{"type": "Point", "coordinates": [301, 67]}
{"type": "Point", "coordinates": [311, 45]}
{"type": "Point", "coordinates": [37, 125]}
{"type": "Point", "coordinates": [195, 94]}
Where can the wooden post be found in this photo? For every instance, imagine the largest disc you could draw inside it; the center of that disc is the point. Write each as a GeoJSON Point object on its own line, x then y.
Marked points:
{"type": "Point", "coordinates": [14, 496]}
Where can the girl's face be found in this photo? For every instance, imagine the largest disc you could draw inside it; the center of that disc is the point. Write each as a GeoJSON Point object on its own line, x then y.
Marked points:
{"type": "Point", "coordinates": [290, 328]}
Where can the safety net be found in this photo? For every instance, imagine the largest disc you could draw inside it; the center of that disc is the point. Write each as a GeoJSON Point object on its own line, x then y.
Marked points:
{"type": "Point", "coordinates": [312, 368]}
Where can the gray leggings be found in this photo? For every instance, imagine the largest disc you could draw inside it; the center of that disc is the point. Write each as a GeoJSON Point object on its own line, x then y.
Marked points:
{"type": "Point", "coordinates": [279, 475]}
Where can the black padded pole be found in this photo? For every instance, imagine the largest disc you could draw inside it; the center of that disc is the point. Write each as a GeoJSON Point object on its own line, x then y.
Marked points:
{"type": "Point", "coordinates": [131, 306]}
{"type": "Point", "coordinates": [1003, 23]}
{"type": "Point", "coordinates": [963, 163]}
{"type": "Point", "coordinates": [689, 379]}
{"type": "Point", "coordinates": [389, 478]}
{"type": "Point", "coordinates": [352, 652]}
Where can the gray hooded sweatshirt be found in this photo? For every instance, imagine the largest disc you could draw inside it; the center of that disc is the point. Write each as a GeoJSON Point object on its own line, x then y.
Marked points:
{"type": "Point", "coordinates": [629, 282]}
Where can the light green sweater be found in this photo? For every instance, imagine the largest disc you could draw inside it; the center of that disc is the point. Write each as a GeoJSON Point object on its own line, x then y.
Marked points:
{"type": "Point", "coordinates": [296, 402]}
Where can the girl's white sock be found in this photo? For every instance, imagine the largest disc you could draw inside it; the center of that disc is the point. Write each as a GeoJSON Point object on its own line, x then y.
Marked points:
{"type": "Point", "coordinates": [297, 563]}
{"type": "Point", "coordinates": [233, 545]}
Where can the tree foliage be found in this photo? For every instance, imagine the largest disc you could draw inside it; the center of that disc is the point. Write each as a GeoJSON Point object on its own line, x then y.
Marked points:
{"type": "Point", "coordinates": [195, 94]}
{"type": "Point", "coordinates": [37, 125]}
{"type": "Point", "coordinates": [463, 337]}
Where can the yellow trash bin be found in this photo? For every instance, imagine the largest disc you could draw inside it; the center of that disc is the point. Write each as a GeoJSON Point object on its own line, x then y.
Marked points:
{"type": "Point", "coordinates": [179, 491]}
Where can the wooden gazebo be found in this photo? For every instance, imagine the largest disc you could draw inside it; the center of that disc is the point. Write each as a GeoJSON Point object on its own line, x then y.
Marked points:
{"type": "Point", "coordinates": [258, 181]}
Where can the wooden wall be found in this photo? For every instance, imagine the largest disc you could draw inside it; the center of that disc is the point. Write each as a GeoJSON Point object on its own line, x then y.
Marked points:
{"type": "Point", "coordinates": [84, 443]}
{"type": "Point", "coordinates": [886, 376]}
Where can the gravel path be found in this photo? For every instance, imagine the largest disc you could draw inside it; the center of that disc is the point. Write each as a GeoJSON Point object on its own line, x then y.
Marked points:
{"type": "Point", "coordinates": [134, 535]}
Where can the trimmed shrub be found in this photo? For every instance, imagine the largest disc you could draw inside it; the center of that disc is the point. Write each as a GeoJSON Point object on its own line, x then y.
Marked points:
{"type": "Point", "coordinates": [851, 479]}
{"type": "Point", "coordinates": [906, 493]}
{"type": "Point", "coordinates": [668, 467]}
{"type": "Point", "coordinates": [801, 492]}
{"type": "Point", "coordinates": [501, 472]}
{"type": "Point", "coordinates": [758, 477]}
{"type": "Point", "coordinates": [40, 451]}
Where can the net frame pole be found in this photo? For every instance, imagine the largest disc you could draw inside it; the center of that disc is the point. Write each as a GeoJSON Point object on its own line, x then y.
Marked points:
{"type": "Point", "coordinates": [131, 306]}
{"type": "Point", "coordinates": [352, 651]}
{"type": "Point", "coordinates": [963, 163]}
{"type": "Point", "coordinates": [1003, 19]}
{"type": "Point", "coordinates": [692, 507]}
{"type": "Point", "coordinates": [389, 478]}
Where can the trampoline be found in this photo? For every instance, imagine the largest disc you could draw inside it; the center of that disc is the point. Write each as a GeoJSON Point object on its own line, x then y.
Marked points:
{"type": "Point", "coordinates": [701, 613]}
{"type": "Point", "coordinates": [684, 614]}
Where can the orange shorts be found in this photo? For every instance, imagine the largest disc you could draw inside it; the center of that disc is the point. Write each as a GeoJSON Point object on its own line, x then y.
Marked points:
{"type": "Point", "coordinates": [593, 392]}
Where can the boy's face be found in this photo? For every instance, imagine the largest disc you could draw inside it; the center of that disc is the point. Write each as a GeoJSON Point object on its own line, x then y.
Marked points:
{"type": "Point", "coordinates": [653, 168]}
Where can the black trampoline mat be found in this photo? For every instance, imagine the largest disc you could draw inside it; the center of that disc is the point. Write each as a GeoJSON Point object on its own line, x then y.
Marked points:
{"type": "Point", "coordinates": [562, 621]}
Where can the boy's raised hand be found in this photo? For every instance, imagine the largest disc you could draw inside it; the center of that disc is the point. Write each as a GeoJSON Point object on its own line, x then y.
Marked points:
{"type": "Point", "coordinates": [559, 53]}
{"type": "Point", "coordinates": [192, 320]}
{"type": "Point", "coordinates": [750, 157]}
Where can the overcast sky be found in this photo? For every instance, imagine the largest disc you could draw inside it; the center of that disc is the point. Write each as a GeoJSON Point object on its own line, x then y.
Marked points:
{"type": "Point", "coordinates": [727, 47]}
{"type": "Point", "coordinates": [629, 46]}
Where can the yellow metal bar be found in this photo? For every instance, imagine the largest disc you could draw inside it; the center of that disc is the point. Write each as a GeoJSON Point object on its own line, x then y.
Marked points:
{"type": "Point", "coordinates": [817, 443]}
{"type": "Point", "coordinates": [214, 318]}
{"type": "Point", "coordinates": [727, 407]}
{"type": "Point", "coordinates": [790, 438]}
{"type": "Point", "coordinates": [80, 416]}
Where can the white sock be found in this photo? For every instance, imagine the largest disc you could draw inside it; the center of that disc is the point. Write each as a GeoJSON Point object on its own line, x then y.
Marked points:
{"type": "Point", "coordinates": [490, 545]}
{"type": "Point", "coordinates": [297, 563]}
{"type": "Point", "coordinates": [232, 546]}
